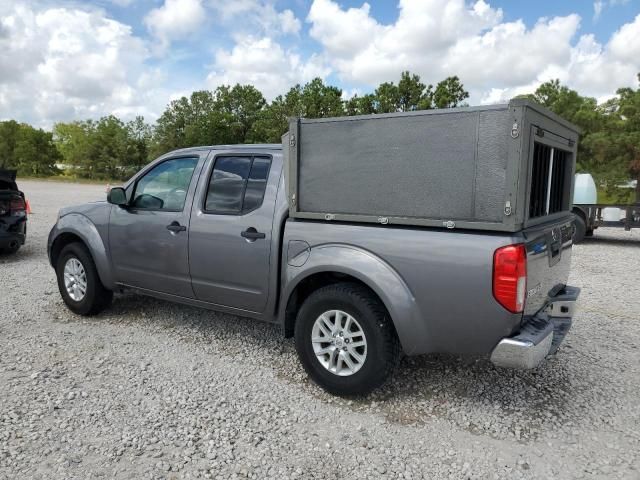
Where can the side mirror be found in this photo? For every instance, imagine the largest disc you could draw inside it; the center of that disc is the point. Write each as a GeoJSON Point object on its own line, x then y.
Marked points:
{"type": "Point", "coordinates": [117, 196]}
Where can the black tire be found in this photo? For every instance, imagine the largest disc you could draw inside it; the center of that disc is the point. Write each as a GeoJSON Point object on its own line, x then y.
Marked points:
{"type": "Point", "coordinates": [580, 229]}
{"type": "Point", "coordinates": [96, 297]}
{"type": "Point", "coordinates": [383, 347]}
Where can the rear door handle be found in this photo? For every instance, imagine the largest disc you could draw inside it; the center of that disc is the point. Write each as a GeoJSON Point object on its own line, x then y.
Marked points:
{"type": "Point", "coordinates": [252, 234]}
{"type": "Point", "coordinates": [175, 227]}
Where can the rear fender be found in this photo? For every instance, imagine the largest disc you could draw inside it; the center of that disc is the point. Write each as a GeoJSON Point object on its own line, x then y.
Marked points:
{"type": "Point", "coordinates": [84, 228]}
{"type": "Point", "coordinates": [371, 270]}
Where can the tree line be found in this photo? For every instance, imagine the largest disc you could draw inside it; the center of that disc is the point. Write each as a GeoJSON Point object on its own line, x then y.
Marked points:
{"type": "Point", "coordinates": [109, 148]}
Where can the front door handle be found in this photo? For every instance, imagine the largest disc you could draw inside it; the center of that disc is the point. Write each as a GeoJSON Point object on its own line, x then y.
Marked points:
{"type": "Point", "coordinates": [252, 234]}
{"type": "Point", "coordinates": [175, 227]}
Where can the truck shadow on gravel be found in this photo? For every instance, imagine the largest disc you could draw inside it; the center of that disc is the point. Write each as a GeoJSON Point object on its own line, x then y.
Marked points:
{"type": "Point", "coordinates": [10, 258]}
{"type": "Point", "coordinates": [608, 241]}
{"type": "Point", "coordinates": [470, 393]}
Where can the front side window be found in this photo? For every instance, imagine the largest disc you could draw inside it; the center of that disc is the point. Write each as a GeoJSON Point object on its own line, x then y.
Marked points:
{"type": "Point", "coordinates": [237, 185]}
{"type": "Point", "coordinates": [165, 186]}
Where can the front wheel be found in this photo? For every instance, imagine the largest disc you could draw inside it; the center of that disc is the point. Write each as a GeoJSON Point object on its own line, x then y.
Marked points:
{"type": "Point", "coordinates": [79, 283]}
{"type": "Point", "coordinates": [345, 339]}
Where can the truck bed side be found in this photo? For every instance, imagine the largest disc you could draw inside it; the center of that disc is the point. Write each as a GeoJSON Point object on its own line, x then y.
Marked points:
{"type": "Point", "coordinates": [448, 275]}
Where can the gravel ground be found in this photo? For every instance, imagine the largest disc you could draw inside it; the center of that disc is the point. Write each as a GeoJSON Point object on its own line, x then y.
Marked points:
{"type": "Point", "coordinates": [149, 389]}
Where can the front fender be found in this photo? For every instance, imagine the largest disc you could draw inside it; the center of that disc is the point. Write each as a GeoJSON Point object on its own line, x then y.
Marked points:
{"type": "Point", "coordinates": [80, 226]}
{"type": "Point", "coordinates": [373, 272]}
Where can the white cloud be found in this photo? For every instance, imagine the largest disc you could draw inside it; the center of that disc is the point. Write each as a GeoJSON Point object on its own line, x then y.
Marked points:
{"type": "Point", "coordinates": [247, 15]}
{"type": "Point", "coordinates": [510, 54]}
{"type": "Point", "coordinates": [598, 6]}
{"type": "Point", "coordinates": [625, 42]}
{"type": "Point", "coordinates": [494, 59]}
{"type": "Point", "coordinates": [374, 52]}
{"type": "Point", "coordinates": [76, 62]}
{"type": "Point", "coordinates": [263, 63]}
{"type": "Point", "coordinates": [592, 68]}
{"type": "Point", "coordinates": [342, 33]}
{"type": "Point", "coordinates": [175, 19]}
{"type": "Point", "coordinates": [60, 64]}
{"type": "Point", "coordinates": [289, 23]}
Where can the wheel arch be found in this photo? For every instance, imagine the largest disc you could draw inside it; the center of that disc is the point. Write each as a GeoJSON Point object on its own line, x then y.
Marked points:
{"type": "Point", "coordinates": [577, 210]}
{"type": "Point", "coordinates": [78, 228]}
{"type": "Point", "coordinates": [337, 263]}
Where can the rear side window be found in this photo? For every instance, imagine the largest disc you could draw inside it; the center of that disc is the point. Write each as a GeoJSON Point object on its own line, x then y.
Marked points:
{"type": "Point", "coordinates": [237, 185]}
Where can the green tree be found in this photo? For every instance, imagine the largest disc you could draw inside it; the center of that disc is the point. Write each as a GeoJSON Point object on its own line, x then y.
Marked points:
{"type": "Point", "coordinates": [186, 122]}
{"type": "Point", "coordinates": [226, 115]}
{"type": "Point", "coordinates": [35, 153]}
{"type": "Point", "coordinates": [8, 137]}
{"type": "Point", "coordinates": [449, 93]}
{"type": "Point", "coordinates": [313, 100]}
{"type": "Point", "coordinates": [139, 136]}
{"type": "Point", "coordinates": [73, 141]}
{"type": "Point", "coordinates": [29, 150]}
{"type": "Point", "coordinates": [412, 94]}
{"type": "Point", "coordinates": [99, 150]}
{"type": "Point", "coordinates": [387, 98]}
{"type": "Point", "coordinates": [108, 153]}
{"type": "Point", "coordinates": [597, 148]}
{"type": "Point", "coordinates": [623, 113]}
{"type": "Point", "coordinates": [319, 100]}
{"type": "Point", "coordinates": [272, 122]}
{"type": "Point", "coordinates": [241, 106]}
{"type": "Point", "coordinates": [361, 105]}
{"type": "Point", "coordinates": [569, 104]}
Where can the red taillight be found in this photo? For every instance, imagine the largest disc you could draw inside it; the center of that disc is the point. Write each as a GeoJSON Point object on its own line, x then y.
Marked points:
{"type": "Point", "coordinates": [510, 277]}
{"type": "Point", "coordinates": [17, 206]}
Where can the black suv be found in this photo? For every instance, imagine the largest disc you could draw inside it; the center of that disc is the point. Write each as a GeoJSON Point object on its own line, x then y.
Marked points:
{"type": "Point", "coordinates": [13, 213]}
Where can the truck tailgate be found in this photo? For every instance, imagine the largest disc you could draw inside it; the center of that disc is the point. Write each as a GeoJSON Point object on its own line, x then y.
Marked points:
{"type": "Point", "coordinates": [548, 261]}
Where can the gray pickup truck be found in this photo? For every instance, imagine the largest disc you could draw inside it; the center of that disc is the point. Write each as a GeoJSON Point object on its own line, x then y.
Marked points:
{"type": "Point", "coordinates": [211, 227]}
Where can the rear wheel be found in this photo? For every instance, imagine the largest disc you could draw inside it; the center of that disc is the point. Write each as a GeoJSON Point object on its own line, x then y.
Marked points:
{"type": "Point", "coordinates": [345, 339]}
{"type": "Point", "coordinates": [79, 283]}
{"type": "Point", "coordinates": [580, 229]}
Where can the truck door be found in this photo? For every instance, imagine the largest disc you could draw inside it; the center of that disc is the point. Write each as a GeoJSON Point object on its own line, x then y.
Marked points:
{"type": "Point", "coordinates": [231, 224]}
{"type": "Point", "coordinates": [149, 239]}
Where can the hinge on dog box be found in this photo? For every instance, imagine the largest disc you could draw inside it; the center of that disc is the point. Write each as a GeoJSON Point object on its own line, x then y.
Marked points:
{"type": "Point", "coordinates": [515, 130]}
{"type": "Point", "coordinates": [507, 208]}
{"type": "Point", "coordinates": [292, 140]}
{"type": "Point", "coordinates": [329, 216]}
{"type": "Point", "coordinates": [293, 199]}
{"type": "Point", "coordinates": [449, 224]}
{"type": "Point", "coordinates": [383, 220]}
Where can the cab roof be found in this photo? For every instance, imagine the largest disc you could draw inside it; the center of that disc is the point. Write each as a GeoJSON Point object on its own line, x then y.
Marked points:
{"type": "Point", "coordinates": [239, 147]}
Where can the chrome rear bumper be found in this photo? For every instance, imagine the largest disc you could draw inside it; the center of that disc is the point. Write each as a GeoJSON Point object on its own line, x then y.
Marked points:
{"type": "Point", "coordinates": [540, 336]}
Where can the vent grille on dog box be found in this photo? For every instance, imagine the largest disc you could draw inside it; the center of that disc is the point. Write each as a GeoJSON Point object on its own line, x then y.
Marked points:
{"type": "Point", "coordinates": [548, 180]}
